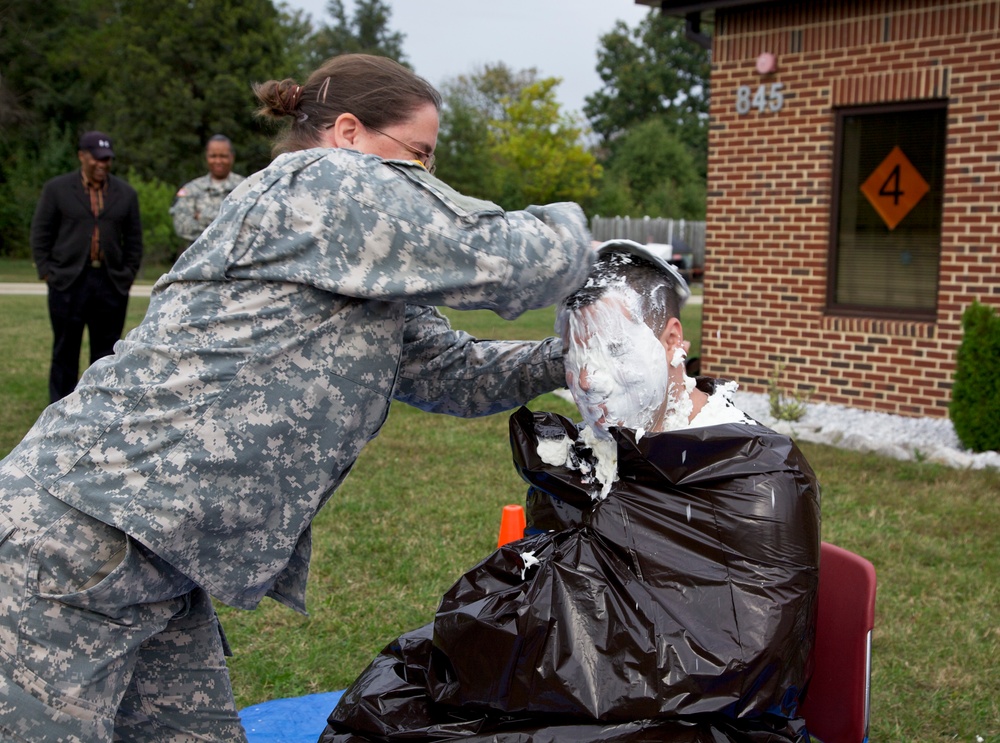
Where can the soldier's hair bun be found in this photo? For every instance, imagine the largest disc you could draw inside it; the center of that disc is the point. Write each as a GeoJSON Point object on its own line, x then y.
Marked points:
{"type": "Point", "coordinates": [378, 91]}
{"type": "Point", "coordinates": [278, 98]}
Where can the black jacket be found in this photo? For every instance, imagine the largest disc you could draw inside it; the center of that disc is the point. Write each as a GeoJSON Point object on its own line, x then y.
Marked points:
{"type": "Point", "coordinates": [63, 225]}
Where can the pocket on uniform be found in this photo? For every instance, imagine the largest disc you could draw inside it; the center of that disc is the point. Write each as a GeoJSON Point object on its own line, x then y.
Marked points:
{"type": "Point", "coordinates": [7, 528]}
{"type": "Point", "coordinates": [77, 562]}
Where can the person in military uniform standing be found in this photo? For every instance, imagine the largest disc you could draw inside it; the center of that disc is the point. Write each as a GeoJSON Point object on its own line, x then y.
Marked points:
{"type": "Point", "coordinates": [191, 463]}
{"type": "Point", "coordinates": [197, 202]}
{"type": "Point", "coordinates": [86, 242]}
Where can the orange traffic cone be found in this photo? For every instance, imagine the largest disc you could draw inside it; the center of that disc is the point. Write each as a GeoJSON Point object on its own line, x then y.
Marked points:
{"type": "Point", "coordinates": [511, 525]}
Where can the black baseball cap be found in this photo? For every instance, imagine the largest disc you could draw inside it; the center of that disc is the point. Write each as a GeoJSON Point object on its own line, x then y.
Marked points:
{"type": "Point", "coordinates": [97, 144]}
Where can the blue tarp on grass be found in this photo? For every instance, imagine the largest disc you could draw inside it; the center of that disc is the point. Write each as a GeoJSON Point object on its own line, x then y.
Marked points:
{"type": "Point", "coordinates": [294, 720]}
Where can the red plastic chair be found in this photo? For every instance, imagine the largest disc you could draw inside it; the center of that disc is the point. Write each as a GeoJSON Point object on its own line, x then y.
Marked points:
{"type": "Point", "coordinates": [836, 703]}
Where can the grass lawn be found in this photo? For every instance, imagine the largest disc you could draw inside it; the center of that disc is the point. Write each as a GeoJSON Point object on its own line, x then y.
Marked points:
{"type": "Point", "coordinates": [423, 505]}
{"type": "Point", "coordinates": [22, 270]}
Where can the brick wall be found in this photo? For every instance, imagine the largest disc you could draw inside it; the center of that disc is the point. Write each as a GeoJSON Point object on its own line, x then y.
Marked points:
{"type": "Point", "coordinates": [770, 179]}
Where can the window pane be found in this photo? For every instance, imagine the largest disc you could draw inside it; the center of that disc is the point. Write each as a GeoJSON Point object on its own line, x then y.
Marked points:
{"type": "Point", "coordinates": [880, 265]}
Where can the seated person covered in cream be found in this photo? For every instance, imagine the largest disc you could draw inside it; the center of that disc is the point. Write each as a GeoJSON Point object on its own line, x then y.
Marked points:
{"type": "Point", "coordinates": [667, 587]}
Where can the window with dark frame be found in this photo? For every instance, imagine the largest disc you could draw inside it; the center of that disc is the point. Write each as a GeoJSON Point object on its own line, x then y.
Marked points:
{"type": "Point", "coordinates": [888, 192]}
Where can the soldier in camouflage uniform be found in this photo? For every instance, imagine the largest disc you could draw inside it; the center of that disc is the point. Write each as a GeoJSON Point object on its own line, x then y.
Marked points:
{"type": "Point", "coordinates": [198, 202]}
{"type": "Point", "coordinates": [192, 462]}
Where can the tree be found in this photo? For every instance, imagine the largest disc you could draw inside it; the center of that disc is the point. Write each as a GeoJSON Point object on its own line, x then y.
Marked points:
{"type": "Point", "coordinates": [504, 138]}
{"type": "Point", "coordinates": [652, 174]}
{"type": "Point", "coordinates": [159, 76]}
{"type": "Point", "coordinates": [539, 151]}
{"type": "Point", "coordinates": [463, 146]}
{"type": "Point", "coordinates": [47, 88]}
{"type": "Point", "coordinates": [474, 106]}
{"type": "Point", "coordinates": [11, 112]}
{"type": "Point", "coordinates": [183, 72]}
{"type": "Point", "coordinates": [652, 71]}
{"type": "Point", "coordinates": [366, 31]}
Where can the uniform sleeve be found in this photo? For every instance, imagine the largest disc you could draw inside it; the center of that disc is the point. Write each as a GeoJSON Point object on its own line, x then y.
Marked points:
{"type": "Point", "coordinates": [373, 229]}
{"type": "Point", "coordinates": [443, 370]}
{"type": "Point", "coordinates": [183, 213]}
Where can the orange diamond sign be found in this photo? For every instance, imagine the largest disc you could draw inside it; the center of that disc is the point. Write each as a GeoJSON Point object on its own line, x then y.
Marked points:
{"type": "Point", "coordinates": [894, 188]}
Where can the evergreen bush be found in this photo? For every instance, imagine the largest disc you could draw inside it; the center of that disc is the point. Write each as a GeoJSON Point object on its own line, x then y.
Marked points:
{"type": "Point", "coordinates": [975, 395]}
{"type": "Point", "coordinates": [24, 169]}
{"type": "Point", "coordinates": [160, 244]}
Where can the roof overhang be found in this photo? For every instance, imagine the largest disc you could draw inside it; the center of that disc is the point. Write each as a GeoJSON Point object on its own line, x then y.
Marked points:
{"type": "Point", "coordinates": [694, 14]}
{"type": "Point", "coordinates": [686, 7]}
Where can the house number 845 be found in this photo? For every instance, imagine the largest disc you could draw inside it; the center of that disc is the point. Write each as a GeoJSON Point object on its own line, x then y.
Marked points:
{"type": "Point", "coordinates": [767, 98]}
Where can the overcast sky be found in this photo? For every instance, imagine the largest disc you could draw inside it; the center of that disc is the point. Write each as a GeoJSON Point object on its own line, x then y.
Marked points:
{"type": "Point", "coordinates": [447, 38]}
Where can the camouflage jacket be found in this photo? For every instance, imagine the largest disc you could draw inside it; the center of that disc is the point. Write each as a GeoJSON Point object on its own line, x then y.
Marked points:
{"type": "Point", "coordinates": [198, 202]}
{"type": "Point", "coordinates": [270, 353]}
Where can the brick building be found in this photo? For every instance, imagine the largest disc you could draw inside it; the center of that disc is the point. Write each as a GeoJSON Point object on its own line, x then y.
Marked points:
{"type": "Point", "coordinates": [853, 193]}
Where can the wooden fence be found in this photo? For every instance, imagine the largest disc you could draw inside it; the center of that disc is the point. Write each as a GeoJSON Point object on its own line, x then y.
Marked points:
{"type": "Point", "coordinates": [649, 230]}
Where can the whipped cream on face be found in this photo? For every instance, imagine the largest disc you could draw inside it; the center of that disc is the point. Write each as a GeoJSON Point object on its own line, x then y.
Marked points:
{"type": "Point", "coordinates": [616, 366]}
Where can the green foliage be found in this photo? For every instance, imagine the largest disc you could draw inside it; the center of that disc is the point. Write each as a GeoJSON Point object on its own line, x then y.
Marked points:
{"type": "Point", "coordinates": [367, 31]}
{"type": "Point", "coordinates": [538, 152]}
{"type": "Point", "coordinates": [46, 88]}
{"type": "Point", "coordinates": [22, 175]}
{"type": "Point", "coordinates": [652, 115]}
{"type": "Point", "coordinates": [975, 396]}
{"type": "Point", "coordinates": [504, 138]}
{"type": "Point", "coordinates": [784, 408]}
{"type": "Point", "coordinates": [463, 149]}
{"type": "Point", "coordinates": [159, 76]}
{"type": "Point", "coordinates": [474, 106]}
{"type": "Point", "coordinates": [49, 65]}
{"type": "Point", "coordinates": [653, 71]}
{"type": "Point", "coordinates": [487, 89]}
{"type": "Point", "coordinates": [614, 197]}
{"type": "Point", "coordinates": [651, 172]}
{"type": "Point", "coordinates": [183, 72]}
{"type": "Point", "coordinates": [160, 243]}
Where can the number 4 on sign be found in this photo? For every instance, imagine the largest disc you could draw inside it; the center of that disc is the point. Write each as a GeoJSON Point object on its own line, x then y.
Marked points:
{"type": "Point", "coordinates": [891, 186]}
{"type": "Point", "coordinates": [894, 188]}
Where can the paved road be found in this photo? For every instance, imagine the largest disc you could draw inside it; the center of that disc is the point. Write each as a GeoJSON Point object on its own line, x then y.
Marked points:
{"type": "Point", "coordinates": [138, 290]}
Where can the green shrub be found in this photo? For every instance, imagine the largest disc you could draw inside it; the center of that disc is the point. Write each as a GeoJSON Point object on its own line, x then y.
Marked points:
{"type": "Point", "coordinates": [24, 169]}
{"type": "Point", "coordinates": [975, 395]}
{"type": "Point", "coordinates": [160, 244]}
{"type": "Point", "coordinates": [784, 408]}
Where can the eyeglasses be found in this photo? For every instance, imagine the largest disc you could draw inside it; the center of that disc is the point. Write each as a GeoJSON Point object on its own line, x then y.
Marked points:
{"type": "Point", "coordinates": [426, 158]}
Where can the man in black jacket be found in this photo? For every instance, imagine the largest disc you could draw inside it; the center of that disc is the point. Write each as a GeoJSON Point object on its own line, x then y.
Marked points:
{"type": "Point", "coordinates": [86, 240]}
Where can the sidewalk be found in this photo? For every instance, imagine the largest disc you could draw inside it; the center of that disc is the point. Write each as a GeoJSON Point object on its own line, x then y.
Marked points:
{"type": "Point", "coordinates": [39, 289]}
{"type": "Point", "coordinates": [139, 290]}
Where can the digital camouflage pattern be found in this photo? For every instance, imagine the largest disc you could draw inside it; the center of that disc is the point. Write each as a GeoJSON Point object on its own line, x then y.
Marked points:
{"type": "Point", "coordinates": [198, 202]}
{"type": "Point", "coordinates": [100, 638]}
{"type": "Point", "coordinates": [271, 351]}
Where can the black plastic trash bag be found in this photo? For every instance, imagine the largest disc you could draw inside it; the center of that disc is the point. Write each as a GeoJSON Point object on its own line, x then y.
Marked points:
{"type": "Point", "coordinates": [681, 607]}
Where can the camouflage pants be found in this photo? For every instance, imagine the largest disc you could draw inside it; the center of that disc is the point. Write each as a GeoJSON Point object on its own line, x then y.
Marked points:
{"type": "Point", "coordinates": [100, 640]}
